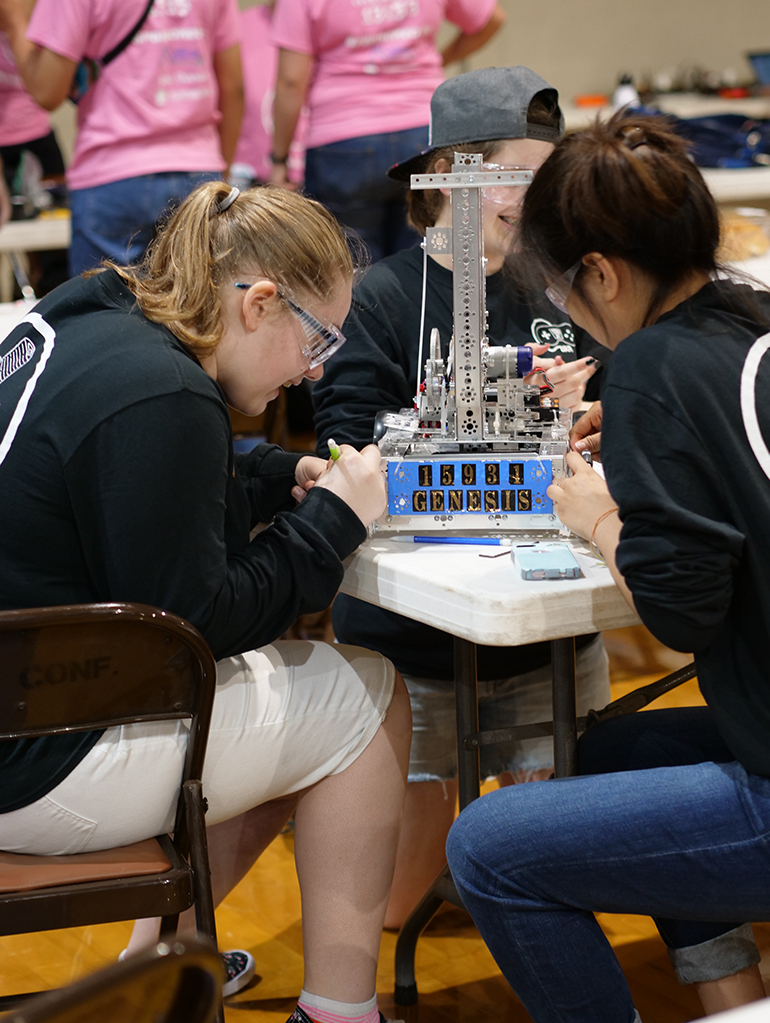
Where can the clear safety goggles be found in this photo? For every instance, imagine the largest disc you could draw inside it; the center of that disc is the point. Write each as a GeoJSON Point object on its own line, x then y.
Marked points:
{"type": "Point", "coordinates": [504, 195]}
{"type": "Point", "coordinates": [558, 292]}
{"type": "Point", "coordinates": [322, 338]}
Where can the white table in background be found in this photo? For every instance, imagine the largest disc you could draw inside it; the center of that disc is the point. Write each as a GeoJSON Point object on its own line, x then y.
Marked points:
{"type": "Point", "coordinates": [11, 313]}
{"type": "Point", "coordinates": [22, 236]}
{"type": "Point", "coordinates": [738, 186]}
{"type": "Point", "coordinates": [758, 267]}
{"type": "Point", "coordinates": [35, 235]}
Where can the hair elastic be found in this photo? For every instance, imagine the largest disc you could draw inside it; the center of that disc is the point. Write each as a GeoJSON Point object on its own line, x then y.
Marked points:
{"type": "Point", "coordinates": [229, 199]}
{"type": "Point", "coordinates": [601, 518]}
{"type": "Point", "coordinates": [635, 137]}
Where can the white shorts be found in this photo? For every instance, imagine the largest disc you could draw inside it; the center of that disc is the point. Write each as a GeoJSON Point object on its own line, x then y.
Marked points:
{"type": "Point", "coordinates": [284, 717]}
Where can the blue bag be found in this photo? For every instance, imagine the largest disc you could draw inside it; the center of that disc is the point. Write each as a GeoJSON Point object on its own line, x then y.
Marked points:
{"type": "Point", "coordinates": [722, 140]}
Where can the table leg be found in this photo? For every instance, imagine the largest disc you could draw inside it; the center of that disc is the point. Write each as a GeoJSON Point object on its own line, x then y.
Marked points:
{"type": "Point", "coordinates": [468, 765]}
{"type": "Point", "coordinates": [6, 278]}
{"type": "Point", "coordinates": [405, 991]}
{"type": "Point", "coordinates": [564, 707]}
{"type": "Point", "coordinates": [467, 710]}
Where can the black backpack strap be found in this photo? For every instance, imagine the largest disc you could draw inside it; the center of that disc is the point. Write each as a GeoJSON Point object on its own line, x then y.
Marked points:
{"type": "Point", "coordinates": [117, 50]}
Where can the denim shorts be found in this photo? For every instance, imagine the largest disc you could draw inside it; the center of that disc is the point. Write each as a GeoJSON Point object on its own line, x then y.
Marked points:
{"type": "Point", "coordinates": [519, 700]}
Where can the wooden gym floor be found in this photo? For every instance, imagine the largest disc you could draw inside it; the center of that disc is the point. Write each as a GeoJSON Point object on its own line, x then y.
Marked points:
{"type": "Point", "coordinates": [457, 978]}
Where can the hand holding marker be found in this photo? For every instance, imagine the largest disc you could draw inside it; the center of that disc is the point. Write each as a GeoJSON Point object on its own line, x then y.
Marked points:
{"type": "Point", "coordinates": [360, 482]}
{"type": "Point", "coordinates": [334, 450]}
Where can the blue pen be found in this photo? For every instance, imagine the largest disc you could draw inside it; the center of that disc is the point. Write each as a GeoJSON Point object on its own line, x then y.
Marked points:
{"type": "Point", "coordinates": [487, 541]}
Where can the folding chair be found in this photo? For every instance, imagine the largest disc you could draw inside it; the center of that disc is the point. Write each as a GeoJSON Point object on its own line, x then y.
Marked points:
{"type": "Point", "coordinates": [564, 728]}
{"type": "Point", "coordinates": [179, 982]}
{"type": "Point", "coordinates": [92, 666]}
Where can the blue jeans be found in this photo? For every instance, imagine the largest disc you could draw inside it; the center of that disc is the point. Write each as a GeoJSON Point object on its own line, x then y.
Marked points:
{"type": "Point", "coordinates": [680, 834]}
{"type": "Point", "coordinates": [117, 220]}
{"type": "Point", "coordinates": [350, 179]}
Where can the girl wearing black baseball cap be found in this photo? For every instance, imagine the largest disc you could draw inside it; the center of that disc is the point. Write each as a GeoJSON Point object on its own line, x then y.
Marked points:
{"type": "Point", "coordinates": [511, 116]}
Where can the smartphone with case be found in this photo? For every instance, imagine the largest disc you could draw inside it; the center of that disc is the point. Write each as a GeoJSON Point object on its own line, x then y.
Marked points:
{"type": "Point", "coordinates": [545, 561]}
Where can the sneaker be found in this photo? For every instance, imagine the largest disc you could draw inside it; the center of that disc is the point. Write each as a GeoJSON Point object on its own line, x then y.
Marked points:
{"type": "Point", "coordinates": [300, 1016]}
{"type": "Point", "coordinates": [239, 970]}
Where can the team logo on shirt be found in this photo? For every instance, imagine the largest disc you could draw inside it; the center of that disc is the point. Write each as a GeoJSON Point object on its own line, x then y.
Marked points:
{"type": "Point", "coordinates": [560, 336]}
{"type": "Point", "coordinates": [16, 359]}
{"type": "Point", "coordinates": [749, 412]}
{"type": "Point", "coordinates": [23, 357]}
{"type": "Point", "coordinates": [172, 8]}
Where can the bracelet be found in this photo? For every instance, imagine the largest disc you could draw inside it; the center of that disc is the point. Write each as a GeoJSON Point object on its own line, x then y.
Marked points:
{"type": "Point", "coordinates": [602, 517]}
{"type": "Point", "coordinates": [278, 159]}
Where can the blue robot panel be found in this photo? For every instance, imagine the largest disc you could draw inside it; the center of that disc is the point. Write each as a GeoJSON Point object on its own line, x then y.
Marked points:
{"type": "Point", "coordinates": [454, 485]}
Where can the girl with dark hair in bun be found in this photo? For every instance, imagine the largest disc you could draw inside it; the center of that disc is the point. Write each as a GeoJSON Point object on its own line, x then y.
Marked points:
{"type": "Point", "coordinates": [671, 815]}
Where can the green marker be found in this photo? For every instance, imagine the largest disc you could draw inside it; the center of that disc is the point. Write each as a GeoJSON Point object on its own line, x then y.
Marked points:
{"type": "Point", "coordinates": [334, 450]}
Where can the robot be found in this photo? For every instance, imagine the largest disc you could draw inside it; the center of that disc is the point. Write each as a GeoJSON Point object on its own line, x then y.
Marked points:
{"type": "Point", "coordinates": [482, 444]}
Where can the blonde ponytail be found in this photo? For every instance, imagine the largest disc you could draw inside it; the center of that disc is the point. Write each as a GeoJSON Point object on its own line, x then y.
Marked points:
{"type": "Point", "coordinates": [270, 231]}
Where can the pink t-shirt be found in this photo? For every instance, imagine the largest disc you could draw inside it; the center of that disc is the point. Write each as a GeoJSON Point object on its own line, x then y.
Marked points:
{"type": "Point", "coordinates": [376, 60]}
{"type": "Point", "coordinates": [260, 60]}
{"type": "Point", "coordinates": [21, 119]}
{"type": "Point", "coordinates": [155, 107]}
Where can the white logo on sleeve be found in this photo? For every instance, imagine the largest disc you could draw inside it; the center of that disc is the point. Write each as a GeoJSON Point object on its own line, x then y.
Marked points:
{"type": "Point", "coordinates": [16, 359]}
{"type": "Point", "coordinates": [560, 336]}
{"type": "Point", "coordinates": [749, 402]}
{"type": "Point", "coordinates": [20, 369]}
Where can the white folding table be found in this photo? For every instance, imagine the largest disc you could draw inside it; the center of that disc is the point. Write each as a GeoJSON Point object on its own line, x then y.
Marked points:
{"type": "Point", "coordinates": [482, 599]}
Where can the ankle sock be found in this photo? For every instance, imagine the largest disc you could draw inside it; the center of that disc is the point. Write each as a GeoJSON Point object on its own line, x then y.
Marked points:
{"type": "Point", "coordinates": [325, 1010]}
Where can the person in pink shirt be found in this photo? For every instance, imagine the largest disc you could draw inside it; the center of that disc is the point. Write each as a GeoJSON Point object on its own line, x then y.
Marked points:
{"type": "Point", "coordinates": [5, 202]}
{"type": "Point", "coordinates": [260, 62]}
{"type": "Point", "coordinates": [160, 119]}
{"type": "Point", "coordinates": [369, 69]}
{"type": "Point", "coordinates": [23, 124]}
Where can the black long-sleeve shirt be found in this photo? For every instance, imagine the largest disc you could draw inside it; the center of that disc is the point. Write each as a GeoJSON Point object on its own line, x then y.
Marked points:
{"type": "Point", "coordinates": [118, 482]}
{"type": "Point", "coordinates": [376, 370]}
{"type": "Point", "coordinates": [690, 474]}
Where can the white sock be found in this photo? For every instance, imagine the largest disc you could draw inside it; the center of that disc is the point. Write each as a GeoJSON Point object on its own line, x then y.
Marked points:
{"type": "Point", "coordinates": [326, 1010]}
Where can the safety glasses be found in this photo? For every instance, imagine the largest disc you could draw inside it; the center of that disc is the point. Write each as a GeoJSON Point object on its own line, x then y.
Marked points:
{"type": "Point", "coordinates": [558, 292]}
{"type": "Point", "coordinates": [503, 195]}
{"type": "Point", "coordinates": [322, 339]}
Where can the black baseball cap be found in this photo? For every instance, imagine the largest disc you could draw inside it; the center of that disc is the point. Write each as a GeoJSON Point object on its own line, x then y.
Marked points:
{"type": "Point", "coordinates": [490, 103]}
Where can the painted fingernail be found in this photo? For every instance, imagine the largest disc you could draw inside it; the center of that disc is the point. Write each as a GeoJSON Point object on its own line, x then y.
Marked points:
{"type": "Point", "coordinates": [593, 362]}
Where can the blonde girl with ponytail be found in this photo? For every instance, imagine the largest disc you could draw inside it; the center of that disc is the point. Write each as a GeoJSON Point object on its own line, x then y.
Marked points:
{"type": "Point", "coordinates": [118, 482]}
